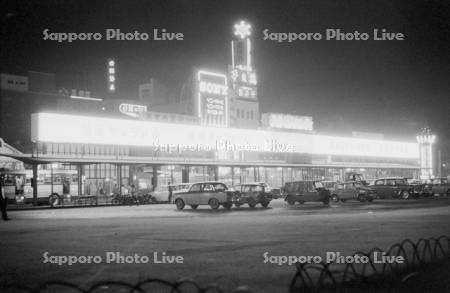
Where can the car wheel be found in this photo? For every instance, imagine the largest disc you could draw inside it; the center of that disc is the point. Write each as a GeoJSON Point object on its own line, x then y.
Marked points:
{"type": "Point", "coordinates": [405, 194]}
{"type": "Point", "coordinates": [227, 205]}
{"type": "Point", "coordinates": [214, 203]}
{"type": "Point", "coordinates": [448, 192]}
{"type": "Point", "coordinates": [237, 204]}
{"type": "Point", "coordinates": [370, 199]}
{"type": "Point", "coordinates": [343, 200]}
{"type": "Point", "coordinates": [361, 198]}
{"type": "Point", "coordinates": [252, 203]}
{"type": "Point", "coordinates": [301, 202]}
{"type": "Point", "coordinates": [334, 198]}
{"type": "Point", "coordinates": [180, 204]}
{"type": "Point", "coordinates": [290, 201]}
{"type": "Point", "coordinates": [265, 204]}
{"type": "Point", "coordinates": [326, 202]}
{"type": "Point", "coordinates": [397, 194]}
{"type": "Point", "coordinates": [53, 199]}
{"type": "Point", "coordinates": [194, 206]}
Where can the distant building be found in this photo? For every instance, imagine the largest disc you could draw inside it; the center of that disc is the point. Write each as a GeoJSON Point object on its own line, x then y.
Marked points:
{"type": "Point", "coordinates": [153, 93]}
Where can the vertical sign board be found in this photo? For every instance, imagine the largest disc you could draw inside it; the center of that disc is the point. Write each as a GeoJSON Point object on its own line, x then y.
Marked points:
{"type": "Point", "coordinates": [212, 98]}
{"type": "Point", "coordinates": [242, 74]}
{"type": "Point", "coordinates": [111, 75]}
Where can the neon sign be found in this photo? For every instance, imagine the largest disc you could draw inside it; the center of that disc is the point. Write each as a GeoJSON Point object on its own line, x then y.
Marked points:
{"type": "Point", "coordinates": [111, 75]}
{"type": "Point", "coordinates": [242, 29]}
{"type": "Point", "coordinates": [132, 109]}
{"type": "Point", "coordinates": [212, 98]}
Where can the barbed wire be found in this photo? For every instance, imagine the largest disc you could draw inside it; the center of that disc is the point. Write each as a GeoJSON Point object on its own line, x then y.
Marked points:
{"type": "Point", "coordinates": [331, 275]}
{"type": "Point", "coordinates": [320, 277]}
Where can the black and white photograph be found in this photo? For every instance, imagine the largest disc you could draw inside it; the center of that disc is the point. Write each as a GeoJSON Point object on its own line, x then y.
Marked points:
{"type": "Point", "coordinates": [205, 146]}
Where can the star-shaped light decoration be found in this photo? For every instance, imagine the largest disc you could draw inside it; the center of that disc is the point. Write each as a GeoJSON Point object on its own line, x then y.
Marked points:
{"type": "Point", "coordinates": [242, 29]}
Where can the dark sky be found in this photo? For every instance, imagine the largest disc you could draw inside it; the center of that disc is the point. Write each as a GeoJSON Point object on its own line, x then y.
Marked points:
{"type": "Point", "coordinates": [393, 87]}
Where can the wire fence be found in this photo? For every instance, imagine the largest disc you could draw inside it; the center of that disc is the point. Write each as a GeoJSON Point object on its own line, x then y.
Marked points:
{"type": "Point", "coordinates": [321, 277]}
{"type": "Point", "coordinates": [333, 275]}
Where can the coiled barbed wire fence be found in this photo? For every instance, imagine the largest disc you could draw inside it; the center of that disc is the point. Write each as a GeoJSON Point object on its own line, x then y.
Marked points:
{"type": "Point", "coordinates": [145, 286]}
{"type": "Point", "coordinates": [328, 276]}
{"type": "Point", "coordinates": [321, 277]}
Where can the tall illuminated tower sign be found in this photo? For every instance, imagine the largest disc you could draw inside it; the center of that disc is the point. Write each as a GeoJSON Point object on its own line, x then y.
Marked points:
{"type": "Point", "coordinates": [212, 98]}
{"type": "Point", "coordinates": [111, 75]}
{"type": "Point", "coordinates": [242, 74]}
{"type": "Point", "coordinates": [426, 140]}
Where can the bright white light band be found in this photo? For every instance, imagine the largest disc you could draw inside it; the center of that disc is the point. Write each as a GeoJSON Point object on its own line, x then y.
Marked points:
{"type": "Point", "coordinates": [61, 128]}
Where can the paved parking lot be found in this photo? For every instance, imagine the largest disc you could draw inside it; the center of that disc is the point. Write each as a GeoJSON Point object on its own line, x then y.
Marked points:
{"type": "Point", "coordinates": [223, 247]}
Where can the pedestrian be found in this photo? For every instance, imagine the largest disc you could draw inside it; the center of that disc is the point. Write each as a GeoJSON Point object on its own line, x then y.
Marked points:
{"type": "Point", "coordinates": [170, 192]}
{"type": "Point", "coordinates": [3, 200]}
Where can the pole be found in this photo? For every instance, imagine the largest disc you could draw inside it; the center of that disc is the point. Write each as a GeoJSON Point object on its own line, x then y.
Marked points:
{"type": "Point", "coordinates": [51, 177]}
{"type": "Point", "coordinates": [34, 184]}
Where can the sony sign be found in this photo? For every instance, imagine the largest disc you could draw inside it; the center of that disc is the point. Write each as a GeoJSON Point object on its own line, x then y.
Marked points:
{"type": "Point", "coordinates": [132, 109]}
{"type": "Point", "coordinates": [212, 98]}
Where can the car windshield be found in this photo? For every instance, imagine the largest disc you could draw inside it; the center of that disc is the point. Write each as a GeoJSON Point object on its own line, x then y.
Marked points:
{"type": "Point", "coordinates": [318, 184]}
{"type": "Point", "coordinates": [399, 181]}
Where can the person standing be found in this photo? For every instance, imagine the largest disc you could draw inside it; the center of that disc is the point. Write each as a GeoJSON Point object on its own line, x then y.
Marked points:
{"type": "Point", "coordinates": [3, 200]}
{"type": "Point", "coordinates": [169, 187]}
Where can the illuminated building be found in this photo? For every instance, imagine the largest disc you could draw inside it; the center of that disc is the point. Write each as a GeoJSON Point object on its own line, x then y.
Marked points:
{"type": "Point", "coordinates": [426, 140]}
{"type": "Point", "coordinates": [244, 104]}
{"type": "Point", "coordinates": [214, 132]}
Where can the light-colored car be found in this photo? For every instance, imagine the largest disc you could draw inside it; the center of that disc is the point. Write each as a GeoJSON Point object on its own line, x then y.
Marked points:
{"type": "Point", "coordinates": [211, 193]}
{"type": "Point", "coordinates": [162, 194]}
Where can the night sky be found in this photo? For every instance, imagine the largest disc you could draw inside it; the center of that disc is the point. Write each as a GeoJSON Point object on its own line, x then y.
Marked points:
{"type": "Point", "coordinates": [392, 87]}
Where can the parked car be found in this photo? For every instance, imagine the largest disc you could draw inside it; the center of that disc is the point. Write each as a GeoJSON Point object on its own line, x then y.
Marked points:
{"type": "Point", "coordinates": [253, 194]}
{"type": "Point", "coordinates": [212, 193]}
{"type": "Point", "coordinates": [438, 186]}
{"type": "Point", "coordinates": [329, 185]}
{"type": "Point", "coordinates": [419, 188]}
{"type": "Point", "coordinates": [393, 187]}
{"type": "Point", "coordinates": [352, 191]}
{"type": "Point", "coordinates": [161, 193]}
{"type": "Point", "coordinates": [303, 191]}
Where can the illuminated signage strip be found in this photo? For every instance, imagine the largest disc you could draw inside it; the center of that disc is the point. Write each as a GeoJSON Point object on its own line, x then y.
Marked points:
{"type": "Point", "coordinates": [216, 102]}
{"type": "Point", "coordinates": [170, 137]}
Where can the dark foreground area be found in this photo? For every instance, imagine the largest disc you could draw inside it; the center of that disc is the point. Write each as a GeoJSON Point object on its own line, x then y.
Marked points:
{"type": "Point", "coordinates": [226, 248]}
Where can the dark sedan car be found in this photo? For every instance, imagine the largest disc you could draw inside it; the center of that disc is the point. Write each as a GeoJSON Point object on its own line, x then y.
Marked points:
{"type": "Point", "coordinates": [438, 186]}
{"type": "Point", "coordinates": [303, 191]}
{"type": "Point", "coordinates": [393, 187]}
{"type": "Point", "coordinates": [352, 191]}
{"type": "Point", "coordinates": [252, 194]}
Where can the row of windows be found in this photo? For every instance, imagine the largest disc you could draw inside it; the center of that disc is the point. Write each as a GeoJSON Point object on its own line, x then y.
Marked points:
{"type": "Point", "coordinates": [104, 171]}
{"type": "Point", "coordinates": [246, 114]}
{"type": "Point", "coordinates": [81, 149]}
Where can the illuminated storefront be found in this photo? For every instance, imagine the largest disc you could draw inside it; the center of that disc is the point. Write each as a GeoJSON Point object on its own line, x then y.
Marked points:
{"type": "Point", "coordinates": [174, 152]}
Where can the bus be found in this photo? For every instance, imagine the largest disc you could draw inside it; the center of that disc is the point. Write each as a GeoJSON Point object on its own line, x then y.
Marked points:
{"type": "Point", "coordinates": [19, 188]}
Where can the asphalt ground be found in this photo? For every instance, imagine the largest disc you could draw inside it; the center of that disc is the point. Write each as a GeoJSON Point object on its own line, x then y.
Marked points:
{"type": "Point", "coordinates": [222, 247]}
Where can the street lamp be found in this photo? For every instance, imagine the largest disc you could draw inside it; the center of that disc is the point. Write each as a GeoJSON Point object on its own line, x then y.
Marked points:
{"type": "Point", "coordinates": [426, 139]}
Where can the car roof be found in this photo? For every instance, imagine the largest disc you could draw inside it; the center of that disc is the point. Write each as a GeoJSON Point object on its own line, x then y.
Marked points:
{"type": "Point", "coordinates": [252, 183]}
{"type": "Point", "coordinates": [207, 182]}
{"type": "Point", "coordinates": [391, 178]}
